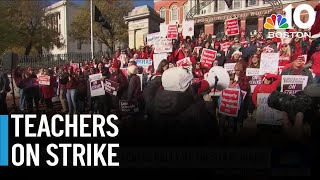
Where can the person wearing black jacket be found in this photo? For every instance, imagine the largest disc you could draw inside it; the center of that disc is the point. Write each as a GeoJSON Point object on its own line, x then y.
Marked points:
{"type": "Point", "coordinates": [102, 102]}
{"type": "Point", "coordinates": [180, 116]}
{"type": "Point", "coordinates": [4, 89]}
{"type": "Point", "coordinates": [63, 79]}
{"type": "Point", "coordinates": [220, 54]}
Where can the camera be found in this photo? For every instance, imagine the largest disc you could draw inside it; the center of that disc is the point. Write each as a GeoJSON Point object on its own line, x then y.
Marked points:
{"type": "Point", "coordinates": [290, 104]}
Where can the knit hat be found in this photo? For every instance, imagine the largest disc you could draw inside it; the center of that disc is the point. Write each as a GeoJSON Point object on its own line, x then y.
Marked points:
{"type": "Point", "coordinates": [236, 52]}
{"type": "Point", "coordinates": [298, 58]}
{"type": "Point", "coordinates": [132, 69]}
{"type": "Point", "coordinates": [176, 79]}
{"type": "Point", "coordinates": [216, 43]}
{"type": "Point", "coordinates": [269, 76]}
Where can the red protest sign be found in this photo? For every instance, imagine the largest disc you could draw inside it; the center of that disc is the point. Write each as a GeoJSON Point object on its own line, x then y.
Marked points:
{"type": "Point", "coordinates": [225, 46]}
{"type": "Point", "coordinates": [184, 62]}
{"type": "Point", "coordinates": [44, 80]}
{"type": "Point", "coordinates": [232, 27]}
{"type": "Point", "coordinates": [207, 57]}
{"type": "Point", "coordinates": [229, 104]}
{"type": "Point", "coordinates": [111, 87]}
{"type": "Point", "coordinates": [172, 32]}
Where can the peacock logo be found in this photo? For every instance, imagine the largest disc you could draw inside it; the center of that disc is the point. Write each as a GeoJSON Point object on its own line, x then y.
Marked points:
{"type": "Point", "coordinates": [276, 22]}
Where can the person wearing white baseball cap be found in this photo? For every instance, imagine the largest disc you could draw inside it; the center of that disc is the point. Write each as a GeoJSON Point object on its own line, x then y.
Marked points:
{"type": "Point", "coordinates": [179, 114]}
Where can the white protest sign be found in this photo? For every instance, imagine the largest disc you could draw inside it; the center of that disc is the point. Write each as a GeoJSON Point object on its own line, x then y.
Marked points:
{"type": "Point", "coordinates": [229, 66]}
{"type": "Point", "coordinates": [152, 38]}
{"type": "Point", "coordinates": [163, 30]}
{"type": "Point", "coordinates": [252, 72]}
{"type": "Point", "coordinates": [157, 58]}
{"type": "Point", "coordinates": [254, 77]}
{"type": "Point", "coordinates": [188, 28]}
{"type": "Point", "coordinates": [96, 85]}
{"type": "Point", "coordinates": [292, 84]}
{"type": "Point", "coordinates": [269, 63]}
{"type": "Point", "coordinates": [265, 114]}
{"type": "Point", "coordinates": [163, 45]}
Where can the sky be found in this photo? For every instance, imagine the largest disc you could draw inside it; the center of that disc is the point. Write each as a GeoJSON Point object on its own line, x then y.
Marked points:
{"type": "Point", "coordinates": [136, 2]}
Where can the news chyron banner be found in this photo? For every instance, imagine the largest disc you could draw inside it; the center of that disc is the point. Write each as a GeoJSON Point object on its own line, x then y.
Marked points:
{"type": "Point", "coordinates": [86, 140]}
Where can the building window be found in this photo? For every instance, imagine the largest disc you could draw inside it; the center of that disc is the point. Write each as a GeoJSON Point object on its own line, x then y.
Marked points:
{"type": "Point", "coordinates": [185, 10]}
{"type": "Point", "coordinates": [203, 11]}
{"type": "Point", "coordinates": [174, 13]}
{"type": "Point", "coordinates": [59, 16]}
{"type": "Point", "coordinates": [253, 2]}
{"type": "Point", "coordinates": [59, 30]}
{"type": "Point", "coordinates": [221, 5]}
{"type": "Point", "coordinates": [163, 13]}
{"type": "Point", "coordinates": [236, 4]}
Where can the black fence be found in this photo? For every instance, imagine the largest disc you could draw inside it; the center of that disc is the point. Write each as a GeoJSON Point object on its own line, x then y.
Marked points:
{"type": "Point", "coordinates": [52, 60]}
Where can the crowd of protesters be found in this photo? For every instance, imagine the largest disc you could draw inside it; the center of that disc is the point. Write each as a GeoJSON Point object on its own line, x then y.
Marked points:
{"type": "Point", "coordinates": [72, 87]}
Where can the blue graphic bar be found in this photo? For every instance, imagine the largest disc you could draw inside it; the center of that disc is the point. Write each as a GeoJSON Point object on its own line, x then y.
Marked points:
{"type": "Point", "coordinates": [4, 140]}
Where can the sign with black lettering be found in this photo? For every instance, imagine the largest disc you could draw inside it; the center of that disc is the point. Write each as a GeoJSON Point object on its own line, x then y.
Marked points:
{"type": "Point", "coordinates": [292, 84]}
{"type": "Point", "coordinates": [125, 106]}
{"type": "Point", "coordinates": [111, 87]}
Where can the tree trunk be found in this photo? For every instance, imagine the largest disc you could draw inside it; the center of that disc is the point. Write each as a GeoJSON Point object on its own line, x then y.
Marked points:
{"type": "Point", "coordinates": [28, 49]}
{"type": "Point", "coordinates": [112, 45]}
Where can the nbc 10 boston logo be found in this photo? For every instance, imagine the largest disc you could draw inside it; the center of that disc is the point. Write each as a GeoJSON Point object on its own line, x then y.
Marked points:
{"type": "Point", "coordinates": [282, 22]}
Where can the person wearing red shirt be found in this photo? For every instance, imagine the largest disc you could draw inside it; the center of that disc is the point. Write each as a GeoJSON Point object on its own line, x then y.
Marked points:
{"type": "Point", "coordinates": [315, 63]}
{"type": "Point", "coordinates": [284, 55]}
{"type": "Point", "coordinates": [270, 84]}
{"type": "Point", "coordinates": [198, 72]}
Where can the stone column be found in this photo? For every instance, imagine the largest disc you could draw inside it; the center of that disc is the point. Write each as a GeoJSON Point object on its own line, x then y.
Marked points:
{"type": "Point", "coordinates": [260, 23]}
{"type": "Point", "coordinates": [243, 24]}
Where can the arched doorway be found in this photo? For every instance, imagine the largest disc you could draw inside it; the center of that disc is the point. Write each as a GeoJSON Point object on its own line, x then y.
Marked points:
{"type": "Point", "coordinates": [251, 25]}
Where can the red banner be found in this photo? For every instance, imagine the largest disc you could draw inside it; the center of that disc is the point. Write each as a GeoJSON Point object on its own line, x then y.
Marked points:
{"type": "Point", "coordinates": [207, 57]}
{"type": "Point", "coordinates": [232, 27]}
{"type": "Point", "coordinates": [229, 104]}
{"type": "Point", "coordinates": [172, 32]}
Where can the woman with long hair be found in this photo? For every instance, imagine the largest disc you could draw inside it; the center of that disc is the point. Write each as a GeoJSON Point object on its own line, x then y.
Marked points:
{"type": "Point", "coordinates": [254, 61]}
{"type": "Point", "coordinates": [284, 55]}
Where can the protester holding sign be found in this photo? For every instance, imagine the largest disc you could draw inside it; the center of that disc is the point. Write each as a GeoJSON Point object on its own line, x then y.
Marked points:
{"type": "Point", "coordinates": [31, 90]}
{"type": "Point", "coordinates": [270, 84]}
{"type": "Point", "coordinates": [220, 54]}
{"type": "Point", "coordinates": [47, 91]}
{"type": "Point", "coordinates": [236, 58]}
{"type": "Point", "coordinates": [298, 69]}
